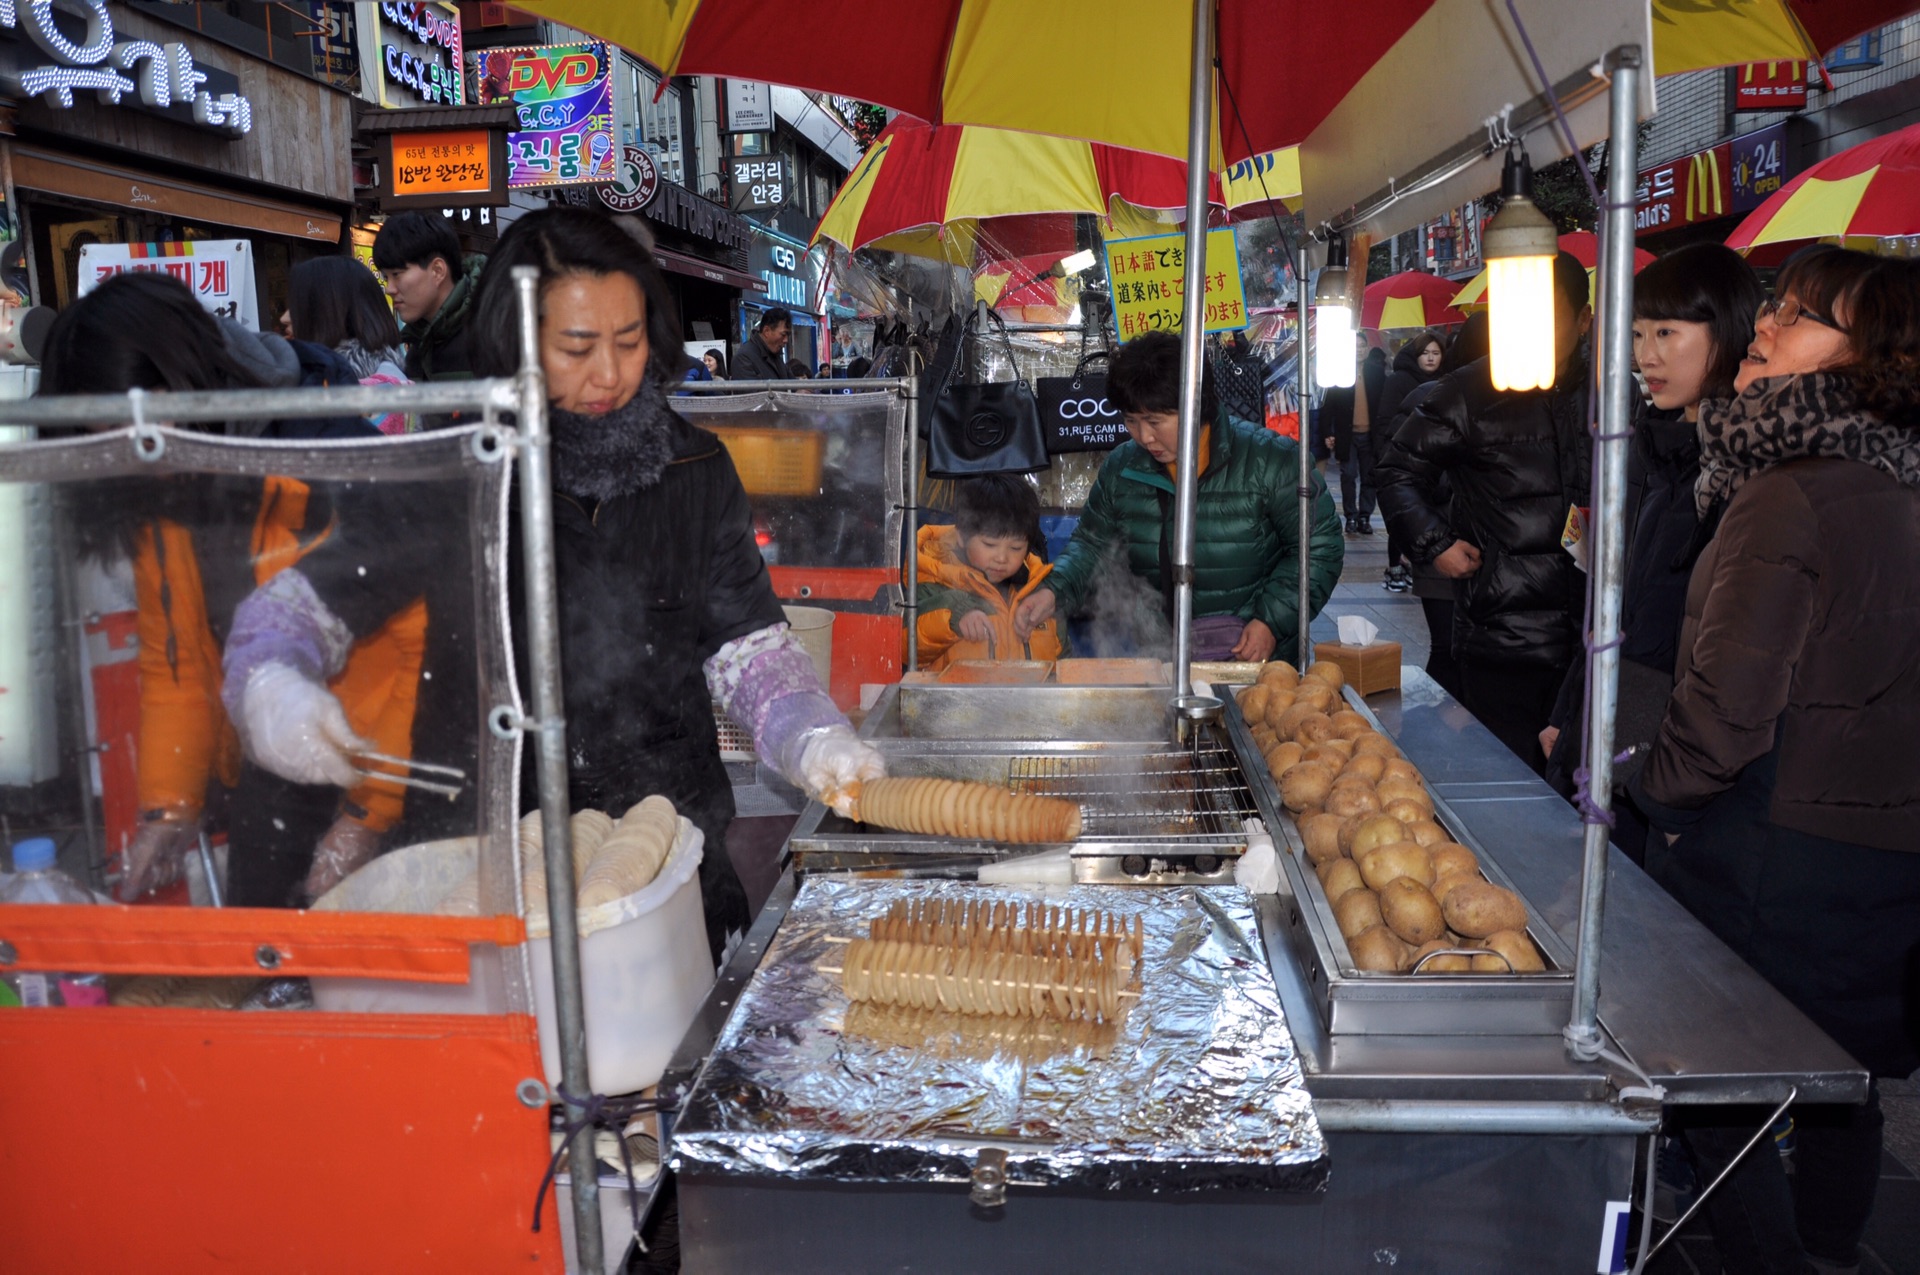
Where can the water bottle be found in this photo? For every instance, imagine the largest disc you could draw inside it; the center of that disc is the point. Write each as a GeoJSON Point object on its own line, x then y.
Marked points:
{"type": "Point", "coordinates": [38, 881]}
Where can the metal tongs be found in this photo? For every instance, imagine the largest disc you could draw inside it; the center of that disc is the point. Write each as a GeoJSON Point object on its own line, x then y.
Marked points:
{"type": "Point", "coordinates": [449, 791]}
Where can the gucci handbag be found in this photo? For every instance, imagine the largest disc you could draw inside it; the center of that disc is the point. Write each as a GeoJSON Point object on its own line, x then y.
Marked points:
{"type": "Point", "coordinates": [989, 428]}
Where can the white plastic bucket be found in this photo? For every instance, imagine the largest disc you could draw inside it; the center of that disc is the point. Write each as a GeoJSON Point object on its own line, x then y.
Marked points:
{"type": "Point", "coordinates": [813, 626]}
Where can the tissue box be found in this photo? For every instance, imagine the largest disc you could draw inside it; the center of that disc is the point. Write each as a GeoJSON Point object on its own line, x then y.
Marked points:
{"type": "Point", "coordinates": [1370, 668]}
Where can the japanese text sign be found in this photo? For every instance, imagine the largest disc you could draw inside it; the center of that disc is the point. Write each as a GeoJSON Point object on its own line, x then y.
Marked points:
{"type": "Point", "coordinates": [220, 271]}
{"type": "Point", "coordinates": [442, 163]}
{"type": "Point", "coordinates": [1149, 283]}
{"type": "Point", "coordinates": [1770, 86]}
{"type": "Point", "coordinates": [565, 102]}
{"type": "Point", "coordinates": [1695, 188]}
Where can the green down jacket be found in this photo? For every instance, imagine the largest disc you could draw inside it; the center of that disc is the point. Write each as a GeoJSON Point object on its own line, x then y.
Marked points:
{"type": "Point", "coordinates": [1246, 548]}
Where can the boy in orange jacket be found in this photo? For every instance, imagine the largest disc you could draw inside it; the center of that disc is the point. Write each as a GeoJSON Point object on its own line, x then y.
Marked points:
{"type": "Point", "coordinates": [974, 573]}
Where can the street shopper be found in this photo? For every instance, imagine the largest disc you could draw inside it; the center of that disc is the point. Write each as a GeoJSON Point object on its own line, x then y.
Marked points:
{"type": "Point", "coordinates": [1346, 428]}
{"type": "Point", "coordinates": [1784, 777]}
{"type": "Point", "coordinates": [1416, 363]}
{"type": "Point", "coordinates": [198, 543]}
{"type": "Point", "coordinates": [337, 302]}
{"type": "Point", "coordinates": [976, 571]}
{"type": "Point", "coordinates": [665, 603]}
{"type": "Point", "coordinates": [1692, 321]}
{"type": "Point", "coordinates": [763, 355]}
{"type": "Point", "coordinates": [1246, 544]}
{"type": "Point", "coordinates": [1516, 463]}
{"type": "Point", "coordinates": [433, 289]}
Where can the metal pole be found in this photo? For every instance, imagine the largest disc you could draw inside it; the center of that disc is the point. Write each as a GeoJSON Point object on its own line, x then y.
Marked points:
{"type": "Point", "coordinates": [1608, 560]}
{"type": "Point", "coordinates": [910, 611]}
{"type": "Point", "coordinates": [1193, 321]}
{"type": "Point", "coordinates": [1303, 376]}
{"type": "Point", "coordinates": [550, 730]}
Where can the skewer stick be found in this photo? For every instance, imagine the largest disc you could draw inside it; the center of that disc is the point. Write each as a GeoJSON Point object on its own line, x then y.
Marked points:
{"type": "Point", "coordinates": [449, 791]}
{"type": "Point", "coordinates": [408, 763]}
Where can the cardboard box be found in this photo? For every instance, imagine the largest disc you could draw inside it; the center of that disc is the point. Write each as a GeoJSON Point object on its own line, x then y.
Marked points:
{"type": "Point", "coordinates": [1368, 669]}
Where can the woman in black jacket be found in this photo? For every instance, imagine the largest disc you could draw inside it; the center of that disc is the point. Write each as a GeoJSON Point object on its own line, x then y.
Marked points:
{"type": "Point", "coordinates": [1692, 319]}
{"type": "Point", "coordinates": [1417, 363]}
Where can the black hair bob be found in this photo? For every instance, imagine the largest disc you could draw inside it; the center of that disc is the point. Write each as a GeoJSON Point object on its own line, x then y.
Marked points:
{"type": "Point", "coordinates": [560, 242]}
{"type": "Point", "coordinates": [137, 331]}
{"type": "Point", "coordinates": [1144, 376]}
{"type": "Point", "coordinates": [997, 505]}
{"type": "Point", "coordinates": [1706, 283]}
{"type": "Point", "coordinates": [331, 300]}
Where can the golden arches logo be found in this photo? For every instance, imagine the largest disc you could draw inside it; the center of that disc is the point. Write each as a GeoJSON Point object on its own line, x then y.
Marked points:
{"type": "Point", "coordinates": [1704, 197]}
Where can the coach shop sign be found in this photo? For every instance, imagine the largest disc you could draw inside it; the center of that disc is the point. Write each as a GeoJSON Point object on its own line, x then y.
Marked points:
{"type": "Point", "coordinates": [74, 49]}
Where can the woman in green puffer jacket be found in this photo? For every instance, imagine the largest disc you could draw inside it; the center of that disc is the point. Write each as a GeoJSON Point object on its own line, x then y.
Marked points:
{"type": "Point", "coordinates": [1246, 588]}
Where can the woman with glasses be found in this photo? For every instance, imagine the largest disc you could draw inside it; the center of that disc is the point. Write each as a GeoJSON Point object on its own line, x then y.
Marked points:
{"type": "Point", "coordinates": [1784, 776]}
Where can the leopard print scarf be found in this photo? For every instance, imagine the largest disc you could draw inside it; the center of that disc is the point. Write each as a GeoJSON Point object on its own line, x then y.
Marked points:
{"type": "Point", "coordinates": [1783, 418]}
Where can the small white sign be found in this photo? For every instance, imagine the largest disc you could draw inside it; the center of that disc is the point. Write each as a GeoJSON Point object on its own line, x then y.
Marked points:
{"type": "Point", "coordinates": [749, 106]}
{"type": "Point", "coordinates": [219, 271]}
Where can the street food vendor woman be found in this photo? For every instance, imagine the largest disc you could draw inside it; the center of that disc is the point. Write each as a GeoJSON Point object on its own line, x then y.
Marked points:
{"type": "Point", "coordinates": [665, 603]}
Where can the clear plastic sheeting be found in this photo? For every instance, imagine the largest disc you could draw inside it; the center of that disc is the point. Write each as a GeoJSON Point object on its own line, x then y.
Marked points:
{"type": "Point", "coordinates": [369, 577]}
{"type": "Point", "coordinates": [1196, 1089]}
{"type": "Point", "coordinates": [822, 470]}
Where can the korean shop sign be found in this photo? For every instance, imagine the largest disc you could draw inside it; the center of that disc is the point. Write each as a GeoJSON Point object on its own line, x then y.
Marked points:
{"type": "Point", "coordinates": [759, 182]}
{"type": "Point", "coordinates": [1148, 278]}
{"type": "Point", "coordinates": [420, 55]}
{"type": "Point", "coordinates": [1680, 193]}
{"type": "Point", "coordinates": [220, 271]}
{"type": "Point", "coordinates": [1770, 86]}
{"type": "Point", "coordinates": [443, 168]}
{"type": "Point", "coordinates": [74, 50]}
{"type": "Point", "coordinates": [565, 103]}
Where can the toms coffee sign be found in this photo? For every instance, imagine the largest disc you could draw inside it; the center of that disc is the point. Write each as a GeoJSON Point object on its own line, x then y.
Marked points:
{"type": "Point", "coordinates": [74, 49]}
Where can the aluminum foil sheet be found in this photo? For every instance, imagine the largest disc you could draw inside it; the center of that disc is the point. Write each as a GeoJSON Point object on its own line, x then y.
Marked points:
{"type": "Point", "coordinates": [1197, 1088]}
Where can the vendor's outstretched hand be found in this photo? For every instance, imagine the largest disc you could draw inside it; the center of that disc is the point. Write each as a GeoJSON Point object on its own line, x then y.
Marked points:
{"type": "Point", "coordinates": [156, 856]}
{"type": "Point", "coordinates": [344, 849]}
{"type": "Point", "coordinates": [1256, 643]}
{"type": "Point", "coordinates": [1035, 611]}
{"type": "Point", "coordinates": [834, 765]}
{"type": "Point", "coordinates": [294, 727]}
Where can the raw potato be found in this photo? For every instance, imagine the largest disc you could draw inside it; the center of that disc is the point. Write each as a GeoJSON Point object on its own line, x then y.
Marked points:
{"type": "Point", "coordinates": [1278, 702]}
{"type": "Point", "coordinates": [1408, 812]}
{"type": "Point", "coordinates": [1279, 673]}
{"type": "Point", "coordinates": [1316, 692]}
{"type": "Point", "coordinates": [1396, 789]}
{"type": "Point", "coordinates": [1355, 911]}
{"type": "Point", "coordinates": [1283, 757]}
{"type": "Point", "coordinates": [1328, 672]}
{"type": "Point", "coordinates": [1337, 876]}
{"type": "Point", "coordinates": [1399, 767]}
{"type": "Point", "coordinates": [1516, 947]}
{"type": "Point", "coordinates": [1348, 724]}
{"type": "Point", "coordinates": [1352, 799]}
{"type": "Point", "coordinates": [1448, 857]}
{"type": "Point", "coordinates": [1374, 831]}
{"type": "Point", "coordinates": [1376, 745]}
{"type": "Point", "coordinates": [1315, 729]}
{"type": "Point", "coordinates": [1263, 737]}
{"type": "Point", "coordinates": [1253, 703]}
{"type": "Point", "coordinates": [1426, 832]}
{"type": "Point", "coordinates": [1305, 785]}
{"type": "Point", "coordinates": [1439, 964]}
{"type": "Point", "coordinates": [1327, 755]}
{"type": "Point", "coordinates": [1410, 911]}
{"type": "Point", "coordinates": [1443, 885]}
{"type": "Point", "coordinates": [1322, 836]}
{"type": "Point", "coordinates": [1288, 727]}
{"type": "Point", "coordinates": [1379, 950]}
{"type": "Point", "coordinates": [1477, 909]}
{"type": "Point", "coordinates": [1401, 859]}
{"type": "Point", "coordinates": [1365, 766]}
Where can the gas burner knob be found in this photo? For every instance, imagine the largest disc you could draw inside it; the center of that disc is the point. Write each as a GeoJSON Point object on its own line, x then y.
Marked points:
{"type": "Point", "coordinates": [1206, 864]}
{"type": "Point", "coordinates": [1134, 865]}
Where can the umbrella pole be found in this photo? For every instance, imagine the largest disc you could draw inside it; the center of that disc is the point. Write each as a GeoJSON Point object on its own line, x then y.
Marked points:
{"type": "Point", "coordinates": [1303, 376]}
{"type": "Point", "coordinates": [1192, 334]}
{"type": "Point", "coordinates": [1608, 554]}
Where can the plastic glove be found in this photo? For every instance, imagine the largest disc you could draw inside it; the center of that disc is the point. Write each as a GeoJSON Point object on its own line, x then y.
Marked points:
{"type": "Point", "coordinates": [834, 763]}
{"type": "Point", "coordinates": [156, 856]}
{"type": "Point", "coordinates": [346, 847]}
{"type": "Point", "coordinates": [294, 727]}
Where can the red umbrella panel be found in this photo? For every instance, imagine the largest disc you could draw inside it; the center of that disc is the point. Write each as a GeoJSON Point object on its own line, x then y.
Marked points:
{"type": "Point", "coordinates": [1410, 299]}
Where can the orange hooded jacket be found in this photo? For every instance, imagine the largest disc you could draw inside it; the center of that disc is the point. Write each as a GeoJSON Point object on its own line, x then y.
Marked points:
{"type": "Point", "coordinates": [950, 587]}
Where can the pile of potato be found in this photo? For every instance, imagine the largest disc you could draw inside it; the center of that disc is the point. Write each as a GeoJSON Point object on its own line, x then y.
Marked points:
{"type": "Point", "coordinates": [1399, 887]}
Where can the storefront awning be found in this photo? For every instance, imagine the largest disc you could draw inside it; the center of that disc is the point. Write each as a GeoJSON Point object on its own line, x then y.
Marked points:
{"type": "Point", "coordinates": [35, 169]}
{"type": "Point", "coordinates": [698, 268]}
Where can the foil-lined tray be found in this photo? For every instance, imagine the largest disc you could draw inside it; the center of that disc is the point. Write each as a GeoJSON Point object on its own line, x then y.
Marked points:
{"type": "Point", "coordinates": [1196, 1088]}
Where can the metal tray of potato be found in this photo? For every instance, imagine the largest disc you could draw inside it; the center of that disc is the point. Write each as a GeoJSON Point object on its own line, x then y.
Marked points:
{"type": "Point", "coordinates": [1362, 1002]}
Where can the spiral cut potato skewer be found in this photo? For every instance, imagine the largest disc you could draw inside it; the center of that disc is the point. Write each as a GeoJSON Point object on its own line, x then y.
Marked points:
{"type": "Point", "coordinates": [1031, 929]}
{"type": "Point", "coordinates": [951, 808]}
{"type": "Point", "coordinates": [922, 976]}
{"type": "Point", "coordinates": [943, 1035]}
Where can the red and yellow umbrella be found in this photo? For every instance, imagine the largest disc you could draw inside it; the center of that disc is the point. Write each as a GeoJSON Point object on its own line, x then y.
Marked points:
{"type": "Point", "coordinates": [1871, 190]}
{"type": "Point", "coordinates": [1585, 247]}
{"type": "Point", "coordinates": [1689, 35]}
{"type": "Point", "coordinates": [1410, 299]}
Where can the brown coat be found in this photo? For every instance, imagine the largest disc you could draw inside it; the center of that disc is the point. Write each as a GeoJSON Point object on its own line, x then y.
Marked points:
{"type": "Point", "coordinates": [1803, 618]}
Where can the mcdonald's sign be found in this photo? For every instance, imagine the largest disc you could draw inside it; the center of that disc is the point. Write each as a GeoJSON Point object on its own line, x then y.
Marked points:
{"type": "Point", "coordinates": [1770, 86]}
{"type": "Point", "coordinates": [1696, 188]}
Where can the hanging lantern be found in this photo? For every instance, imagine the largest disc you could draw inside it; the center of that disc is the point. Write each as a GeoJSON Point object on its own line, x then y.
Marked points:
{"type": "Point", "coordinates": [1333, 361]}
{"type": "Point", "coordinates": [1520, 245]}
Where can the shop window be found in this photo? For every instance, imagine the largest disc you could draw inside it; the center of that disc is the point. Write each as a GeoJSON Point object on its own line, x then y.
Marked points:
{"type": "Point", "coordinates": [659, 124]}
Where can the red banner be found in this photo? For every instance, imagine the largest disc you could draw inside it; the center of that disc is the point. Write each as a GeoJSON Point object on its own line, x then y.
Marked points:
{"type": "Point", "coordinates": [1770, 86]}
{"type": "Point", "coordinates": [1696, 187]}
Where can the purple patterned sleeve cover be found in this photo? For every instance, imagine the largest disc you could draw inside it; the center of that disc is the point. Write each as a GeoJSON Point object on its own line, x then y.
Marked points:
{"type": "Point", "coordinates": [767, 683]}
{"type": "Point", "coordinates": [282, 622]}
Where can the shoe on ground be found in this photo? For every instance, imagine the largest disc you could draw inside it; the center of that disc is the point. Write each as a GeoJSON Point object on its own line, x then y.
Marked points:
{"type": "Point", "coordinates": [1364, 525]}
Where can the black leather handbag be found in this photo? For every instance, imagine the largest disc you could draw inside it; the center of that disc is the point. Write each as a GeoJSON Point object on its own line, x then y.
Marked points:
{"type": "Point", "coordinates": [989, 428]}
{"type": "Point", "coordinates": [1075, 415]}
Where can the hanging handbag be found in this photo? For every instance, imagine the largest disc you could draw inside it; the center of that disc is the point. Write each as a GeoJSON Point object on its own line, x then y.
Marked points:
{"type": "Point", "coordinates": [991, 428]}
{"type": "Point", "coordinates": [1075, 415]}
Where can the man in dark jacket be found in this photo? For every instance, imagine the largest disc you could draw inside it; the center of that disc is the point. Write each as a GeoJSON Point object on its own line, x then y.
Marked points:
{"type": "Point", "coordinates": [762, 356]}
{"type": "Point", "coordinates": [1517, 462]}
{"type": "Point", "coordinates": [1346, 421]}
{"type": "Point", "coordinates": [432, 288]}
